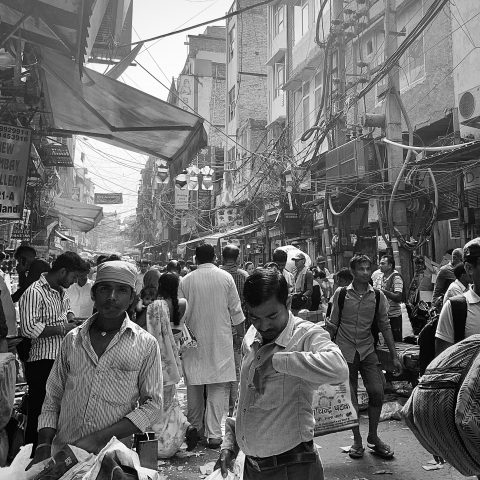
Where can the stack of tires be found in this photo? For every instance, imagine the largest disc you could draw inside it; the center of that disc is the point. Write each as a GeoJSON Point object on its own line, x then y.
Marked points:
{"type": "Point", "coordinates": [7, 396]}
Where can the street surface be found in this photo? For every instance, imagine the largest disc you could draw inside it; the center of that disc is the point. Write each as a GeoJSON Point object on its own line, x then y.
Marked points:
{"type": "Point", "coordinates": [407, 464]}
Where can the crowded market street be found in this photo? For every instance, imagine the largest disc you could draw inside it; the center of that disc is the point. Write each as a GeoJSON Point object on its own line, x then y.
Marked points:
{"type": "Point", "coordinates": [239, 239]}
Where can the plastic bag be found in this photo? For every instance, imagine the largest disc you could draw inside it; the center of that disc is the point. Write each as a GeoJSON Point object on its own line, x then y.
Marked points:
{"type": "Point", "coordinates": [16, 471]}
{"type": "Point", "coordinates": [236, 474]}
{"type": "Point", "coordinates": [333, 409]}
{"type": "Point", "coordinates": [171, 432]}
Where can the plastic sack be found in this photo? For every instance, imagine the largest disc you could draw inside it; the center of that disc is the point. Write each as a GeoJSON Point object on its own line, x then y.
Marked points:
{"type": "Point", "coordinates": [171, 432]}
{"type": "Point", "coordinates": [333, 409]}
{"type": "Point", "coordinates": [236, 474]}
{"type": "Point", "coordinates": [16, 471]}
{"type": "Point", "coordinates": [391, 411]}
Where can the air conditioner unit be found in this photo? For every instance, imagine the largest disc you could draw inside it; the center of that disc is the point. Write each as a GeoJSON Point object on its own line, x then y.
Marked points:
{"type": "Point", "coordinates": [352, 162]}
{"type": "Point", "coordinates": [469, 107]}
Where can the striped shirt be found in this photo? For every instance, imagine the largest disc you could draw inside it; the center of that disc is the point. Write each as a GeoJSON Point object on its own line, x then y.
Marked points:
{"type": "Point", "coordinates": [86, 394]}
{"type": "Point", "coordinates": [42, 306]}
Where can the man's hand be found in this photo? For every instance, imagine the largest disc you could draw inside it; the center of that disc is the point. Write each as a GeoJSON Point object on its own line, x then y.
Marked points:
{"type": "Point", "coordinates": [397, 366]}
{"type": "Point", "coordinates": [261, 372]}
{"type": "Point", "coordinates": [91, 443]}
{"type": "Point", "coordinates": [225, 462]}
{"type": "Point", "coordinates": [70, 326]}
{"type": "Point", "coordinates": [43, 452]}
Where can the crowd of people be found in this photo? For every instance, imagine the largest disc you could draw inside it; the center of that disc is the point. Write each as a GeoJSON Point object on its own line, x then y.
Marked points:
{"type": "Point", "coordinates": [104, 348]}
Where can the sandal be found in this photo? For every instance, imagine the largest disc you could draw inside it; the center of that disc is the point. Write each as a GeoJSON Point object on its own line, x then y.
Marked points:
{"type": "Point", "coordinates": [381, 449]}
{"type": "Point", "coordinates": [356, 451]}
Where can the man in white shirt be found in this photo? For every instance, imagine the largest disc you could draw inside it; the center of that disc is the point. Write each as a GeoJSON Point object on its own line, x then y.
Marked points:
{"type": "Point", "coordinates": [144, 265]}
{"type": "Point", "coordinates": [445, 334]}
{"type": "Point", "coordinates": [460, 285]}
{"type": "Point", "coordinates": [81, 301]}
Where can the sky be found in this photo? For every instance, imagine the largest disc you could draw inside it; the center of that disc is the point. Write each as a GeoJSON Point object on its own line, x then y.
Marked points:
{"type": "Point", "coordinates": [116, 170]}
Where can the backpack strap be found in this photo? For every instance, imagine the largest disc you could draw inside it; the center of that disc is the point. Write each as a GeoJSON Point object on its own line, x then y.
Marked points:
{"type": "Point", "coordinates": [377, 302]}
{"type": "Point", "coordinates": [459, 316]}
{"type": "Point", "coordinates": [341, 303]}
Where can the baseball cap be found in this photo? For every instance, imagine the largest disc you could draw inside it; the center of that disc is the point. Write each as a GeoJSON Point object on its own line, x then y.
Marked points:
{"type": "Point", "coordinates": [299, 256]}
{"type": "Point", "coordinates": [471, 250]}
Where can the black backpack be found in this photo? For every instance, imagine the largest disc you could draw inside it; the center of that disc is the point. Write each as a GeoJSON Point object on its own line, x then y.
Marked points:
{"type": "Point", "coordinates": [341, 303]}
{"type": "Point", "coordinates": [426, 338]}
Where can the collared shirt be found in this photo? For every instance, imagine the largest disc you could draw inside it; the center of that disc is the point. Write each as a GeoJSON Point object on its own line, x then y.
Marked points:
{"type": "Point", "coordinates": [455, 288]}
{"type": "Point", "coordinates": [445, 329]}
{"type": "Point", "coordinates": [42, 306]}
{"type": "Point", "coordinates": [213, 306]}
{"type": "Point", "coordinates": [303, 281]}
{"type": "Point", "coordinates": [81, 302]}
{"type": "Point", "coordinates": [394, 284]}
{"type": "Point", "coordinates": [86, 394]}
{"type": "Point", "coordinates": [354, 334]}
{"type": "Point", "coordinates": [281, 417]}
{"type": "Point", "coordinates": [239, 277]}
{"type": "Point", "coordinates": [8, 308]}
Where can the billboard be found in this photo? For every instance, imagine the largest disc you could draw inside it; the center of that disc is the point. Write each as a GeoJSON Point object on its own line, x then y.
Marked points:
{"type": "Point", "coordinates": [108, 198]}
{"type": "Point", "coordinates": [14, 158]}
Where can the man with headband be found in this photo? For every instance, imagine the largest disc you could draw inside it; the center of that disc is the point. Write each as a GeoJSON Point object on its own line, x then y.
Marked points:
{"type": "Point", "coordinates": [107, 378]}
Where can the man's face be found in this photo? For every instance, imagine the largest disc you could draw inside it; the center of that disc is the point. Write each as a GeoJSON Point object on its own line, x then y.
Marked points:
{"type": "Point", "coordinates": [300, 263]}
{"type": "Point", "coordinates": [112, 299]}
{"type": "Point", "coordinates": [385, 267]}
{"type": "Point", "coordinates": [362, 272]}
{"type": "Point", "coordinates": [474, 273]}
{"type": "Point", "coordinates": [321, 264]}
{"type": "Point", "coordinates": [67, 278]}
{"type": "Point", "coordinates": [82, 278]}
{"type": "Point", "coordinates": [143, 267]}
{"type": "Point", "coordinates": [269, 318]}
{"type": "Point", "coordinates": [251, 268]}
{"type": "Point", "coordinates": [23, 263]}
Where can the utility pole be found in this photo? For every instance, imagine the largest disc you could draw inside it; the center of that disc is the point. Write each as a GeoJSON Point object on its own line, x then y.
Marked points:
{"type": "Point", "coordinates": [393, 132]}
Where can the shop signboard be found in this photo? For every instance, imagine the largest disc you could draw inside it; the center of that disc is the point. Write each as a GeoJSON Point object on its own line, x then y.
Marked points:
{"type": "Point", "coordinates": [108, 198]}
{"type": "Point", "coordinates": [56, 155]}
{"type": "Point", "coordinates": [14, 158]}
{"type": "Point", "coordinates": [181, 198]}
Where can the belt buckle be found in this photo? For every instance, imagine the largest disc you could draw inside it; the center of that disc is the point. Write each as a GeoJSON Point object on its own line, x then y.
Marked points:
{"type": "Point", "coordinates": [254, 464]}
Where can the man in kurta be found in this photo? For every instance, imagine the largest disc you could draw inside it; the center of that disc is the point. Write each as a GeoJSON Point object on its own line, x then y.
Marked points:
{"type": "Point", "coordinates": [214, 306]}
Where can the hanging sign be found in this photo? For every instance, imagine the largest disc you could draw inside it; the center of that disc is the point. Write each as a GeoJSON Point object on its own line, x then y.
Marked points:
{"type": "Point", "coordinates": [108, 198]}
{"type": "Point", "coordinates": [181, 198]}
{"type": "Point", "coordinates": [14, 156]}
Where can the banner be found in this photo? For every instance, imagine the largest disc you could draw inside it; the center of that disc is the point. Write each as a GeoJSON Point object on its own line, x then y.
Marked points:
{"type": "Point", "coordinates": [14, 156]}
{"type": "Point", "coordinates": [108, 198]}
{"type": "Point", "coordinates": [181, 199]}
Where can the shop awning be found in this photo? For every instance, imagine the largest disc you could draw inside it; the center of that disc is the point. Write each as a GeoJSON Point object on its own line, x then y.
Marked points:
{"type": "Point", "coordinates": [65, 26]}
{"type": "Point", "coordinates": [101, 107]}
{"type": "Point", "coordinates": [81, 217]}
{"type": "Point", "coordinates": [62, 236]}
{"type": "Point", "coordinates": [156, 246]}
{"type": "Point", "coordinates": [213, 238]}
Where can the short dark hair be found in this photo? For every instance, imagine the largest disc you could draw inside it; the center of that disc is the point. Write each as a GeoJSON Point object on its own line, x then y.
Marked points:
{"type": "Point", "coordinates": [359, 258]}
{"type": "Point", "coordinates": [345, 274]}
{"type": "Point", "coordinates": [101, 259]}
{"type": "Point", "coordinates": [390, 260]}
{"type": "Point", "coordinates": [264, 284]}
{"type": "Point", "coordinates": [70, 261]}
{"type": "Point", "coordinates": [86, 267]}
{"type": "Point", "coordinates": [113, 257]}
{"type": "Point", "coordinates": [459, 270]}
{"type": "Point", "coordinates": [279, 256]}
{"type": "Point", "coordinates": [230, 252]}
{"type": "Point", "coordinates": [174, 265]}
{"type": "Point", "coordinates": [25, 250]}
{"type": "Point", "coordinates": [204, 253]}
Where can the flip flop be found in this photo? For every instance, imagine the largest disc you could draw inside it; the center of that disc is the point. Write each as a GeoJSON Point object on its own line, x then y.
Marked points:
{"type": "Point", "coordinates": [381, 449]}
{"type": "Point", "coordinates": [356, 452]}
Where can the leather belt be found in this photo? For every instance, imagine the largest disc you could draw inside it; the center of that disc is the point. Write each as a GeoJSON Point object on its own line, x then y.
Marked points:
{"type": "Point", "coordinates": [260, 464]}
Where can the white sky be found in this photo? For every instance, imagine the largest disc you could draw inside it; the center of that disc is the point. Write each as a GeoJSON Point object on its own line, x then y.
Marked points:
{"type": "Point", "coordinates": [150, 18]}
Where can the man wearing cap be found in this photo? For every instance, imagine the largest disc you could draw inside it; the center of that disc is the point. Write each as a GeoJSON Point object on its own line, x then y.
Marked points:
{"type": "Point", "coordinates": [445, 334]}
{"type": "Point", "coordinates": [303, 279]}
{"type": "Point", "coordinates": [107, 378]}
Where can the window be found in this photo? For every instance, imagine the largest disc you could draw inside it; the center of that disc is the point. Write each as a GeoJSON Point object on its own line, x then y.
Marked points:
{"type": "Point", "coordinates": [231, 159]}
{"type": "Point", "coordinates": [306, 105]}
{"type": "Point", "coordinates": [231, 43]}
{"type": "Point", "coordinates": [278, 19]}
{"type": "Point", "coordinates": [301, 20]}
{"type": "Point", "coordinates": [318, 90]}
{"type": "Point", "coordinates": [231, 104]}
{"type": "Point", "coordinates": [279, 79]}
{"type": "Point", "coordinates": [412, 63]}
